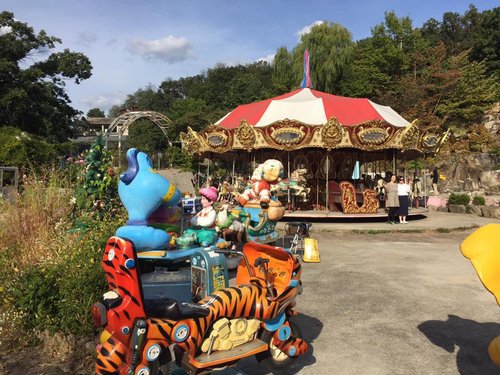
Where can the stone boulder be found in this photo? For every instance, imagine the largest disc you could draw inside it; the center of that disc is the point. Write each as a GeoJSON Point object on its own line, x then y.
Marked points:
{"type": "Point", "coordinates": [491, 180]}
{"type": "Point", "coordinates": [491, 212]}
{"type": "Point", "coordinates": [491, 120]}
{"type": "Point", "coordinates": [476, 210]}
{"type": "Point", "coordinates": [457, 208]}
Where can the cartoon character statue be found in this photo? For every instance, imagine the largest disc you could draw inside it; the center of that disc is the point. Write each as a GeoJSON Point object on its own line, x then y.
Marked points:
{"type": "Point", "coordinates": [142, 191]}
{"type": "Point", "coordinates": [266, 174]}
{"type": "Point", "coordinates": [203, 230]}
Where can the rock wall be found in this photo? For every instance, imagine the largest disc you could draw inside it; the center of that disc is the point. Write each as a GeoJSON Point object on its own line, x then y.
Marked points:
{"type": "Point", "coordinates": [473, 172]}
{"type": "Point", "coordinates": [470, 172]}
{"type": "Point", "coordinates": [491, 120]}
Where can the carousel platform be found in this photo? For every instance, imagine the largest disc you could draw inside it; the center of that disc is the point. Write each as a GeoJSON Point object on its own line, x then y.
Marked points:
{"type": "Point", "coordinates": [414, 213]}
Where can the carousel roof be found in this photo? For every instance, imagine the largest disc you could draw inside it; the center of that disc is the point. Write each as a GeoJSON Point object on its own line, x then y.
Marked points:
{"type": "Point", "coordinates": [307, 118]}
{"type": "Point", "coordinates": [313, 108]}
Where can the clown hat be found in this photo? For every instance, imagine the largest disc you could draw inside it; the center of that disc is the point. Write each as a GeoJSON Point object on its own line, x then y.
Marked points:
{"type": "Point", "coordinates": [211, 193]}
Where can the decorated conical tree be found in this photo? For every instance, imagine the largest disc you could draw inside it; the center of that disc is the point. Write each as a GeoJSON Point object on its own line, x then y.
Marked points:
{"type": "Point", "coordinates": [97, 190]}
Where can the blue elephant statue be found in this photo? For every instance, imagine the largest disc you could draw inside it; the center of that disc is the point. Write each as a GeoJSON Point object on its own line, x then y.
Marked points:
{"type": "Point", "coordinates": [142, 190]}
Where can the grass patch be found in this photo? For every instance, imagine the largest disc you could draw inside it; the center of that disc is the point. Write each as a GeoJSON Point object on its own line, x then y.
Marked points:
{"type": "Point", "coordinates": [443, 230]}
{"type": "Point", "coordinates": [50, 268]}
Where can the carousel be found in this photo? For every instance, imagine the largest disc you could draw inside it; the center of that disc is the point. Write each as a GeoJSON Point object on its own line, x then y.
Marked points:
{"type": "Point", "coordinates": [333, 148]}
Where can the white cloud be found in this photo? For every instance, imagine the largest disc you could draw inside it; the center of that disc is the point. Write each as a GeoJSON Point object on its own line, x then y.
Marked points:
{"type": "Point", "coordinates": [86, 38]}
{"type": "Point", "coordinates": [269, 58]}
{"type": "Point", "coordinates": [5, 30]}
{"type": "Point", "coordinates": [169, 49]}
{"type": "Point", "coordinates": [307, 29]}
{"type": "Point", "coordinates": [104, 102]}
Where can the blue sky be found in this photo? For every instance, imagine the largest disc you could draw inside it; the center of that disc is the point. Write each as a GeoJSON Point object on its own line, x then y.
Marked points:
{"type": "Point", "coordinates": [135, 43]}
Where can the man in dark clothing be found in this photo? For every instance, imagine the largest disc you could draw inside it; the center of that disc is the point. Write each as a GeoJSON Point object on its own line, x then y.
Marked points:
{"type": "Point", "coordinates": [435, 179]}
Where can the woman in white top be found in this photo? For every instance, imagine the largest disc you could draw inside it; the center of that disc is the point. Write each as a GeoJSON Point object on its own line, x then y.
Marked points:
{"type": "Point", "coordinates": [403, 193]}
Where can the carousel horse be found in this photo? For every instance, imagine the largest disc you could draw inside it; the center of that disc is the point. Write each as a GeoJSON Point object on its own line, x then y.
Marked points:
{"type": "Point", "coordinates": [142, 191]}
{"type": "Point", "coordinates": [227, 223]}
{"type": "Point", "coordinates": [296, 183]}
{"type": "Point", "coordinates": [225, 191]}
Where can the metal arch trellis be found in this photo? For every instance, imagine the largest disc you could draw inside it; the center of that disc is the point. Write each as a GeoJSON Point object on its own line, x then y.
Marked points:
{"type": "Point", "coordinates": [122, 122]}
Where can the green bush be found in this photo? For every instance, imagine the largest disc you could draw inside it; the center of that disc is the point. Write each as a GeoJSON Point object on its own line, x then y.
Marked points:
{"type": "Point", "coordinates": [58, 296]}
{"type": "Point", "coordinates": [478, 201]}
{"type": "Point", "coordinates": [19, 148]}
{"type": "Point", "coordinates": [462, 199]}
{"type": "Point", "coordinates": [50, 259]}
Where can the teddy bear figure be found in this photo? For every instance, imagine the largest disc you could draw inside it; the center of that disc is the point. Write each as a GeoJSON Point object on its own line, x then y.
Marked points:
{"type": "Point", "coordinates": [266, 174]}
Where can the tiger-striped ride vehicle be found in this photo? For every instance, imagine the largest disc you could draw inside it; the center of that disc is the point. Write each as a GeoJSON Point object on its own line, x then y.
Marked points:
{"type": "Point", "coordinates": [255, 317]}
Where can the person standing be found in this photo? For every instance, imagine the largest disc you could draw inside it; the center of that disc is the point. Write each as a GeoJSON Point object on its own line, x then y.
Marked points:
{"type": "Point", "coordinates": [403, 195]}
{"type": "Point", "coordinates": [435, 179]}
{"type": "Point", "coordinates": [417, 191]}
{"type": "Point", "coordinates": [391, 199]}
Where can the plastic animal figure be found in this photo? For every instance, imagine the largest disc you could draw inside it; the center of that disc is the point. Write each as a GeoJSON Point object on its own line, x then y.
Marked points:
{"type": "Point", "coordinates": [296, 183]}
{"type": "Point", "coordinates": [142, 191]}
{"type": "Point", "coordinates": [251, 318]}
{"type": "Point", "coordinates": [266, 174]}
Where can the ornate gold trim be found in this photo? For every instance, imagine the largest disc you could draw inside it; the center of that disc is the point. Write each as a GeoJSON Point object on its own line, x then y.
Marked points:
{"type": "Point", "coordinates": [369, 136]}
{"type": "Point", "coordinates": [371, 127]}
{"type": "Point", "coordinates": [374, 137]}
{"type": "Point", "coordinates": [246, 135]}
{"type": "Point", "coordinates": [219, 139]}
{"type": "Point", "coordinates": [191, 141]}
{"type": "Point", "coordinates": [411, 134]}
{"type": "Point", "coordinates": [280, 136]}
{"type": "Point", "coordinates": [331, 133]}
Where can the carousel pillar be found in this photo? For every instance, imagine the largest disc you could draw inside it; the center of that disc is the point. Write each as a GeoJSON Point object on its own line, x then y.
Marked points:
{"type": "Point", "coordinates": [317, 185]}
{"type": "Point", "coordinates": [327, 170]}
{"type": "Point", "coordinates": [208, 171]}
{"type": "Point", "coordinates": [394, 162]}
{"type": "Point", "coordinates": [288, 182]}
{"type": "Point", "coordinates": [198, 177]}
{"type": "Point", "coordinates": [232, 178]}
{"type": "Point", "coordinates": [119, 148]}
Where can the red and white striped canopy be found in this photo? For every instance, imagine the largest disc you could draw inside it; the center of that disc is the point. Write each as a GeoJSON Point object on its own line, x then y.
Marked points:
{"type": "Point", "coordinates": [311, 107]}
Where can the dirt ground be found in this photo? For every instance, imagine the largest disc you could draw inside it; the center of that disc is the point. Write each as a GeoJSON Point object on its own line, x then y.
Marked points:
{"type": "Point", "coordinates": [394, 303]}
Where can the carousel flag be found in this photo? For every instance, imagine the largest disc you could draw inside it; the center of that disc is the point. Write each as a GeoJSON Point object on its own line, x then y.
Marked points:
{"type": "Point", "coordinates": [355, 172]}
{"type": "Point", "coordinates": [306, 82]}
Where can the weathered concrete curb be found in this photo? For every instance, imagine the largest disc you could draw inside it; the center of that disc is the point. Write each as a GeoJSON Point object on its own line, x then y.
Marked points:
{"type": "Point", "coordinates": [432, 222]}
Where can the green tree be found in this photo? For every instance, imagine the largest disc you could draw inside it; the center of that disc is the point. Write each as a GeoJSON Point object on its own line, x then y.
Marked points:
{"type": "Point", "coordinates": [147, 99]}
{"type": "Point", "coordinates": [283, 77]}
{"type": "Point", "coordinates": [95, 112]}
{"type": "Point", "coordinates": [364, 76]}
{"type": "Point", "coordinates": [147, 137]}
{"type": "Point", "coordinates": [485, 45]}
{"type": "Point", "coordinates": [18, 148]}
{"type": "Point", "coordinates": [330, 47]}
{"type": "Point", "coordinates": [33, 98]}
{"type": "Point", "coordinates": [473, 93]}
